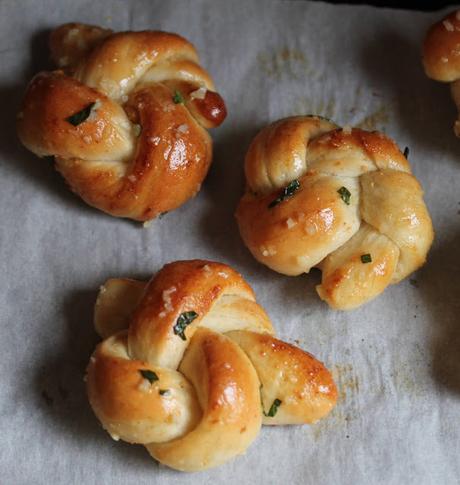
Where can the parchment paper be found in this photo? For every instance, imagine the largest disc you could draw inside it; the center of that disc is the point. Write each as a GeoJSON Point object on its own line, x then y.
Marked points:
{"type": "Point", "coordinates": [396, 359]}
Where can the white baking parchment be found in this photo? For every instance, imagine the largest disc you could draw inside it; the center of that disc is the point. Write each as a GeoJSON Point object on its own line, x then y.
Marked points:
{"type": "Point", "coordinates": [396, 360]}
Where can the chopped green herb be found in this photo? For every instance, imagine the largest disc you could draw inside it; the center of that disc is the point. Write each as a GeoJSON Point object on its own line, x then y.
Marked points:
{"type": "Point", "coordinates": [273, 408]}
{"type": "Point", "coordinates": [178, 98]}
{"type": "Point", "coordinates": [149, 375]}
{"type": "Point", "coordinates": [366, 258]}
{"type": "Point", "coordinates": [287, 192]}
{"type": "Point", "coordinates": [406, 152]}
{"type": "Point", "coordinates": [80, 116]}
{"type": "Point", "coordinates": [345, 195]}
{"type": "Point", "coordinates": [184, 319]}
{"type": "Point", "coordinates": [163, 392]}
{"type": "Point", "coordinates": [137, 129]}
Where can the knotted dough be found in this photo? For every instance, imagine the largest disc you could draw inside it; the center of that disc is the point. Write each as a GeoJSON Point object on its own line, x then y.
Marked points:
{"type": "Point", "coordinates": [125, 118]}
{"type": "Point", "coordinates": [190, 368]}
{"type": "Point", "coordinates": [343, 200]}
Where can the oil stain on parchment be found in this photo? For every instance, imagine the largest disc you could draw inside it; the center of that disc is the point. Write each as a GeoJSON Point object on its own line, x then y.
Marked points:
{"type": "Point", "coordinates": [374, 117]}
{"type": "Point", "coordinates": [375, 120]}
{"type": "Point", "coordinates": [346, 410]}
{"type": "Point", "coordinates": [315, 106]}
{"type": "Point", "coordinates": [284, 62]}
{"type": "Point", "coordinates": [327, 108]}
{"type": "Point", "coordinates": [411, 377]}
{"type": "Point", "coordinates": [347, 381]}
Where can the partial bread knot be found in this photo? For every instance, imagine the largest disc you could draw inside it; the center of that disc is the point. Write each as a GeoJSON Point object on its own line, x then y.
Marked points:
{"type": "Point", "coordinates": [343, 200]}
{"type": "Point", "coordinates": [125, 117]}
{"type": "Point", "coordinates": [190, 366]}
{"type": "Point", "coordinates": [441, 56]}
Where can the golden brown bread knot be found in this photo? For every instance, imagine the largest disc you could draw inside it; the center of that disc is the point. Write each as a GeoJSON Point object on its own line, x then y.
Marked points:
{"type": "Point", "coordinates": [441, 55]}
{"type": "Point", "coordinates": [125, 118]}
{"type": "Point", "coordinates": [340, 199]}
{"type": "Point", "coordinates": [190, 368]}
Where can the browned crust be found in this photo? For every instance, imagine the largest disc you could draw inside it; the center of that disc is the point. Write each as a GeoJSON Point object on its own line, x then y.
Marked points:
{"type": "Point", "coordinates": [441, 49]}
{"type": "Point", "coordinates": [299, 232]}
{"type": "Point", "coordinates": [143, 174]}
{"type": "Point", "coordinates": [212, 410]}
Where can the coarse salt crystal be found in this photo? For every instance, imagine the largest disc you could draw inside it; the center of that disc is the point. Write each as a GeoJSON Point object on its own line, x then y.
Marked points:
{"type": "Point", "coordinates": [93, 114]}
{"type": "Point", "coordinates": [207, 269]}
{"type": "Point", "coordinates": [267, 251]}
{"type": "Point", "coordinates": [223, 274]}
{"type": "Point", "coordinates": [166, 295]}
{"type": "Point", "coordinates": [162, 314]}
{"type": "Point", "coordinates": [290, 223]}
{"type": "Point", "coordinates": [200, 93]}
{"type": "Point", "coordinates": [168, 292]}
{"type": "Point", "coordinates": [448, 25]}
{"type": "Point", "coordinates": [145, 386]}
{"type": "Point", "coordinates": [72, 33]}
{"type": "Point", "coordinates": [323, 389]}
{"type": "Point", "coordinates": [182, 128]}
{"type": "Point", "coordinates": [155, 140]}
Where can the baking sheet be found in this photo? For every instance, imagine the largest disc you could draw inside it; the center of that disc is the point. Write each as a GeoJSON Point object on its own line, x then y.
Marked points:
{"type": "Point", "coordinates": [396, 360]}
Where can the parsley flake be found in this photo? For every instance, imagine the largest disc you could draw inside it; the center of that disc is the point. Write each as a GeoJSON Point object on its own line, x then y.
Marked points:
{"type": "Point", "coordinates": [184, 319]}
{"type": "Point", "coordinates": [149, 375]}
{"type": "Point", "coordinates": [80, 116]}
{"type": "Point", "coordinates": [406, 152]}
{"type": "Point", "coordinates": [287, 192]}
{"type": "Point", "coordinates": [178, 98]}
{"type": "Point", "coordinates": [366, 258]}
{"type": "Point", "coordinates": [345, 195]}
{"type": "Point", "coordinates": [273, 408]}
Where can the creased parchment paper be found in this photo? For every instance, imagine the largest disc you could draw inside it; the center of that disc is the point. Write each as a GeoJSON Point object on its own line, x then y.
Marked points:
{"type": "Point", "coordinates": [396, 360]}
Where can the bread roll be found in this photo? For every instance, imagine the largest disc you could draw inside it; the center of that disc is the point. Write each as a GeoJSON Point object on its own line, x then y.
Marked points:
{"type": "Point", "coordinates": [441, 56]}
{"type": "Point", "coordinates": [193, 368]}
{"type": "Point", "coordinates": [340, 199]}
{"type": "Point", "coordinates": [125, 118]}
